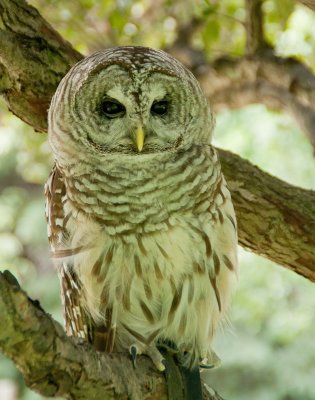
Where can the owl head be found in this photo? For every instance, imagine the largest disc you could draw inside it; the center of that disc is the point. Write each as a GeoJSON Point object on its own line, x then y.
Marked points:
{"type": "Point", "coordinates": [128, 100]}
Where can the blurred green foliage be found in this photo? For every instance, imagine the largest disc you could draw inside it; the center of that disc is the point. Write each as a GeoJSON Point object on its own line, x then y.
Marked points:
{"type": "Point", "coordinates": [268, 351]}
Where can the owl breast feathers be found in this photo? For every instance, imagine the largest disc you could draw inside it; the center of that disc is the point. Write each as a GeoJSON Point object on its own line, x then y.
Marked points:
{"type": "Point", "coordinates": [141, 223]}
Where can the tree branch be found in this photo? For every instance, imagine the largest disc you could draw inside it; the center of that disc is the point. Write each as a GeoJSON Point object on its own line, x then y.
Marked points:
{"type": "Point", "coordinates": [53, 364]}
{"type": "Point", "coordinates": [266, 78]}
{"type": "Point", "coordinates": [254, 26]}
{"type": "Point", "coordinates": [263, 78]}
{"type": "Point", "coordinates": [308, 3]}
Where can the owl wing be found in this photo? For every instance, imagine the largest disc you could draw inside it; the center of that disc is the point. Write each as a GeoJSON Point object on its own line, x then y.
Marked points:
{"type": "Point", "coordinates": [77, 321]}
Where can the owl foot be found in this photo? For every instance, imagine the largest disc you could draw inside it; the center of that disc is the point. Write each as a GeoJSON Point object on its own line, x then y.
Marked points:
{"type": "Point", "coordinates": [150, 351]}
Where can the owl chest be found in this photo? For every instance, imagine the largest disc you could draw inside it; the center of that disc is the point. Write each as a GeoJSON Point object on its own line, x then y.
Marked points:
{"type": "Point", "coordinates": [138, 275]}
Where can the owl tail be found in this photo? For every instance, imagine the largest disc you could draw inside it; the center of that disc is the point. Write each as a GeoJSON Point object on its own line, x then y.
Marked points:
{"type": "Point", "coordinates": [182, 383]}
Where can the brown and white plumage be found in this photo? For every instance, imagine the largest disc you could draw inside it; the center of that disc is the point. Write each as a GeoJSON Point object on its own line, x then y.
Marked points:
{"type": "Point", "coordinates": [143, 235]}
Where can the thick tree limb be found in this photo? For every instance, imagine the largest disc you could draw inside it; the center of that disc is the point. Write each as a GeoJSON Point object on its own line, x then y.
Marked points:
{"type": "Point", "coordinates": [275, 219]}
{"type": "Point", "coordinates": [275, 81]}
{"type": "Point", "coordinates": [55, 365]}
{"type": "Point", "coordinates": [263, 78]}
{"type": "Point", "coordinates": [33, 60]}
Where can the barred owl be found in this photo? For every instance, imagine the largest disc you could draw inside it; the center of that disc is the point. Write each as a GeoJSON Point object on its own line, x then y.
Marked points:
{"type": "Point", "coordinates": [141, 223]}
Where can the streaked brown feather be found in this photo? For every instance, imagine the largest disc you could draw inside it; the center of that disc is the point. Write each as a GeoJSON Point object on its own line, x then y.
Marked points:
{"type": "Point", "coordinates": [207, 243]}
{"type": "Point", "coordinates": [141, 246]}
{"type": "Point", "coordinates": [157, 270]}
{"type": "Point", "coordinates": [68, 252]}
{"type": "Point", "coordinates": [138, 266]}
{"type": "Point", "coordinates": [146, 312]}
{"type": "Point", "coordinates": [199, 268]}
{"type": "Point", "coordinates": [96, 269]}
{"type": "Point", "coordinates": [175, 303]}
{"type": "Point", "coordinates": [216, 263]}
{"type": "Point", "coordinates": [232, 221]}
{"type": "Point", "coordinates": [147, 290]}
{"type": "Point", "coordinates": [216, 291]}
{"type": "Point", "coordinates": [228, 263]}
{"type": "Point", "coordinates": [221, 218]}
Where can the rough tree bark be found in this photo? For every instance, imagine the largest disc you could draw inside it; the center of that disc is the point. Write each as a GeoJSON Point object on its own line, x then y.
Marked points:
{"type": "Point", "coordinates": [33, 60]}
{"type": "Point", "coordinates": [275, 219]}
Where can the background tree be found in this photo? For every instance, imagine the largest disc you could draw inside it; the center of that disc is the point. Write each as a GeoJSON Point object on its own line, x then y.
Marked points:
{"type": "Point", "coordinates": [241, 52]}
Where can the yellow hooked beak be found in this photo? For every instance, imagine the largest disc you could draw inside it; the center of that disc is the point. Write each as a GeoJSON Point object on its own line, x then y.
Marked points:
{"type": "Point", "coordinates": [139, 138]}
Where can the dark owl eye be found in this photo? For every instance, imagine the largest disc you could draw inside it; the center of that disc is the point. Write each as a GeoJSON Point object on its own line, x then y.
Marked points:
{"type": "Point", "coordinates": [159, 107]}
{"type": "Point", "coordinates": [112, 108]}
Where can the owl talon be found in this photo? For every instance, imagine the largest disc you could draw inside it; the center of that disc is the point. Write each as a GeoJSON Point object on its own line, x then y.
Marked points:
{"type": "Point", "coordinates": [166, 368]}
{"type": "Point", "coordinates": [168, 346]}
{"type": "Point", "coordinates": [156, 357]}
{"type": "Point", "coordinates": [205, 363]}
{"type": "Point", "coordinates": [133, 351]}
